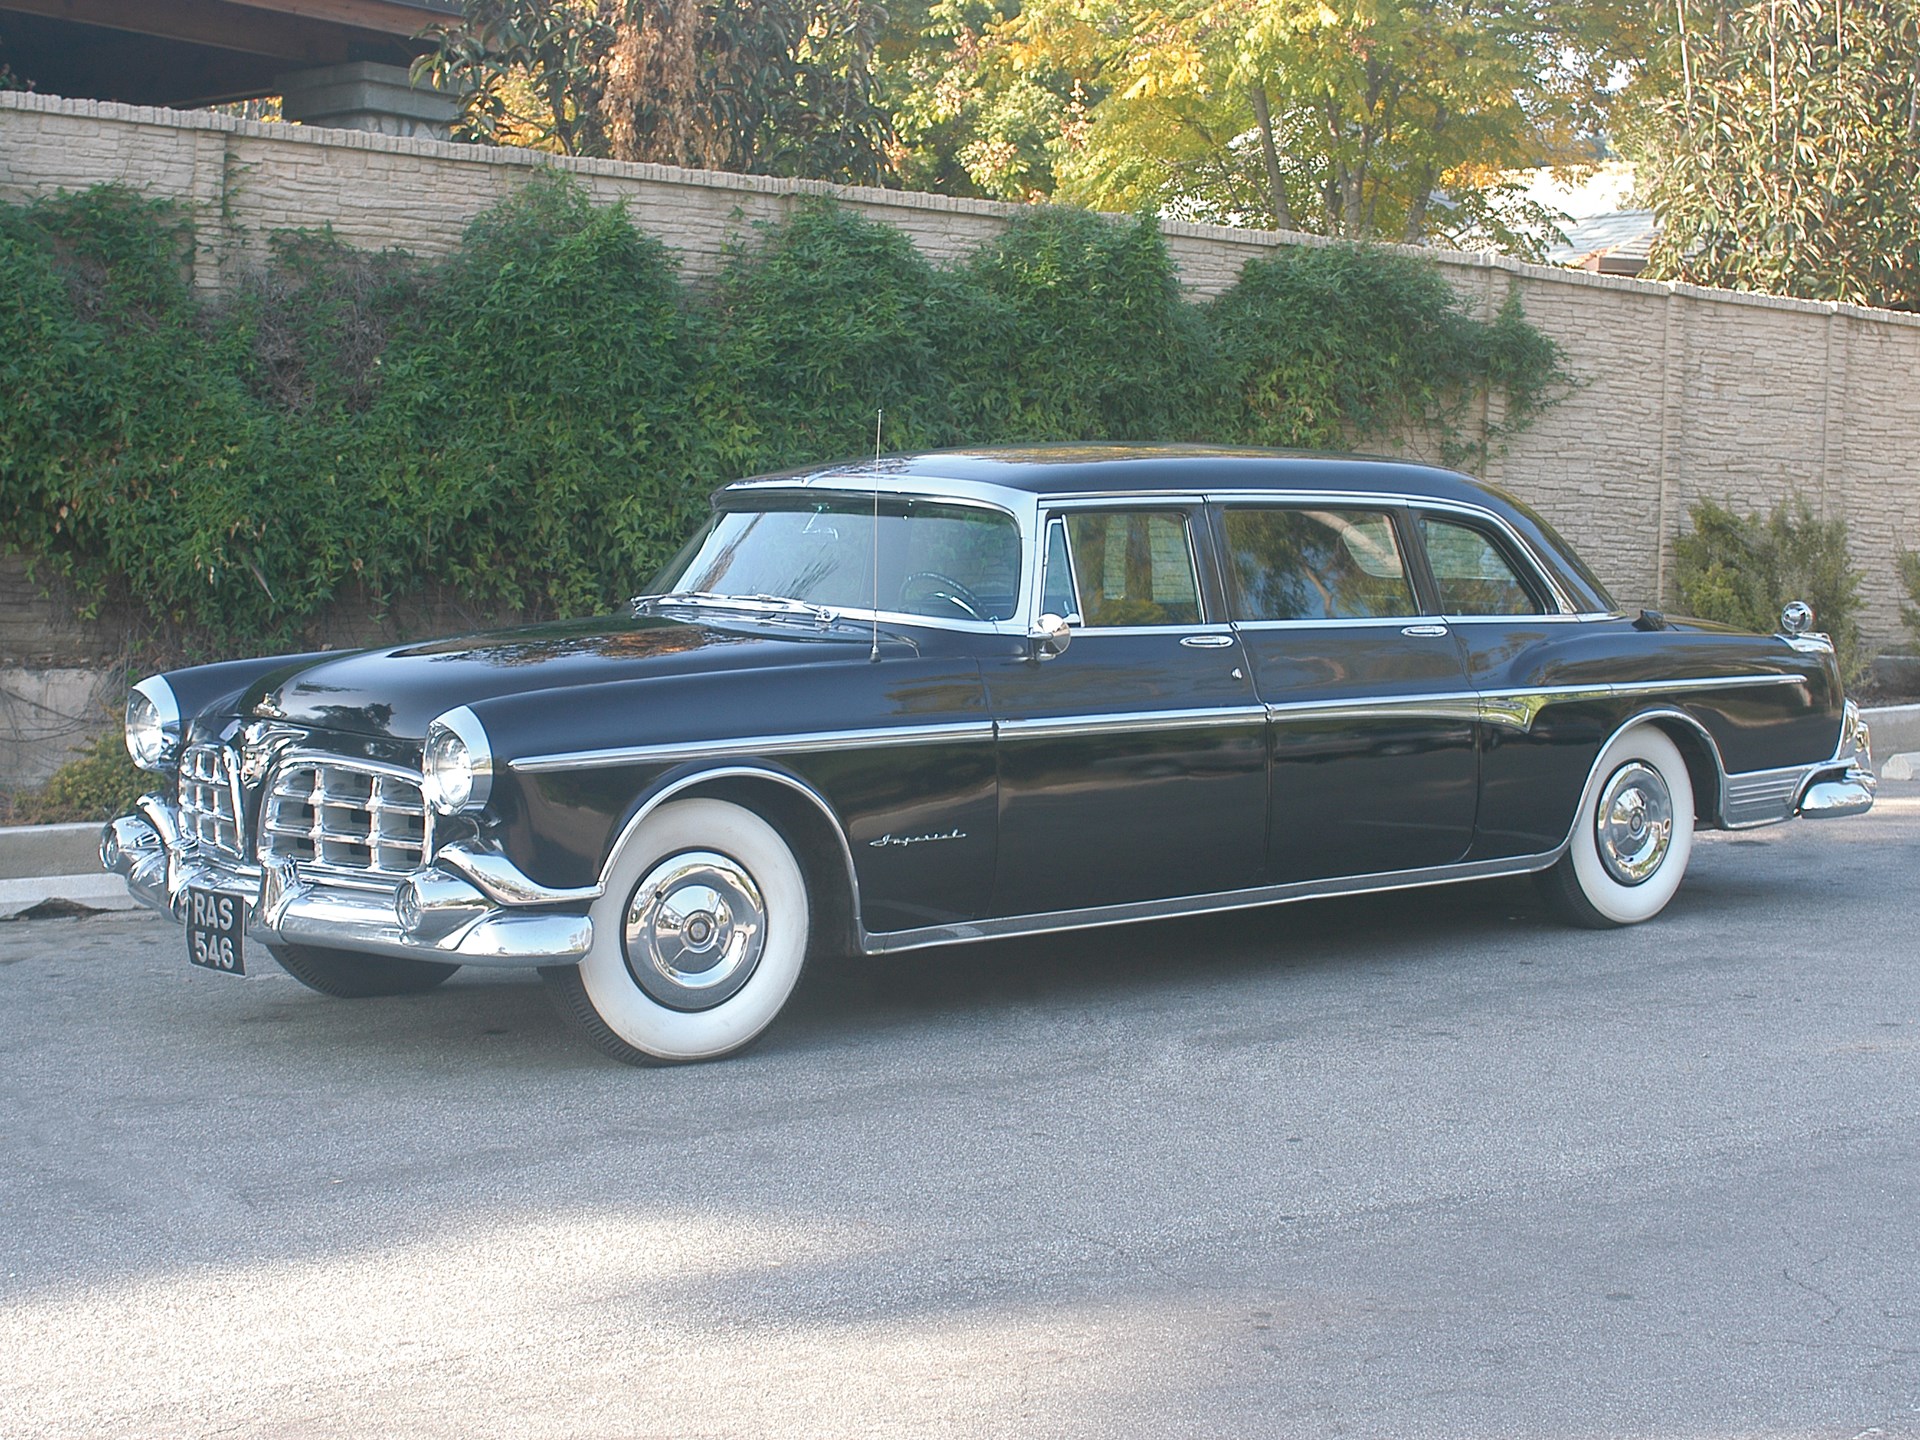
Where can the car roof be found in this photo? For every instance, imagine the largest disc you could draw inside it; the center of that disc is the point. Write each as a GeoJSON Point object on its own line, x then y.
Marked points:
{"type": "Point", "coordinates": [1106, 469]}
{"type": "Point", "coordinates": [1102, 469]}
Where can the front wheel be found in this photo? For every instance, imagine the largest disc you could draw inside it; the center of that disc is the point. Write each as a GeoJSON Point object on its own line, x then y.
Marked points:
{"type": "Point", "coordinates": [347, 976]}
{"type": "Point", "coordinates": [697, 942]}
{"type": "Point", "coordinates": [1631, 838]}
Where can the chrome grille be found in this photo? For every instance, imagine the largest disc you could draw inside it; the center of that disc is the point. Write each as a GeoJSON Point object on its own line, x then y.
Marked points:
{"type": "Point", "coordinates": [207, 810]}
{"type": "Point", "coordinates": [345, 818]}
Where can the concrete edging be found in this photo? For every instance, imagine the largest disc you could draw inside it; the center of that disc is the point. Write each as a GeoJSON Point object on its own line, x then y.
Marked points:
{"type": "Point", "coordinates": [30, 850]}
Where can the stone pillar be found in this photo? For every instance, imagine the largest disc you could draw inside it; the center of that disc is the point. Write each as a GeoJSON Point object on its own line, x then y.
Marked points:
{"type": "Point", "coordinates": [366, 96]}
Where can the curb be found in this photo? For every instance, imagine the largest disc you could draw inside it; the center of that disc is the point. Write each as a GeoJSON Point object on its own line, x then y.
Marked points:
{"type": "Point", "coordinates": [64, 893]}
{"type": "Point", "coordinates": [1896, 737]}
{"type": "Point", "coordinates": [27, 850]}
{"type": "Point", "coordinates": [56, 866]}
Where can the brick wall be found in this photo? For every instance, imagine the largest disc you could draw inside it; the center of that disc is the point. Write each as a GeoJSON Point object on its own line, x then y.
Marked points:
{"type": "Point", "coordinates": [1683, 392]}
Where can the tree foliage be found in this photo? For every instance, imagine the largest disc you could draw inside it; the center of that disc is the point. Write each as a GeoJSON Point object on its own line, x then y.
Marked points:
{"type": "Point", "coordinates": [968, 120]}
{"type": "Point", "coordinates": [1356, 118]}
{"type": "Point", "coordinates": [533, 423]}
{"type": "Point", "coordinates": [777, 87]}
{"type": "Point", "coordinates": [1779, 145]}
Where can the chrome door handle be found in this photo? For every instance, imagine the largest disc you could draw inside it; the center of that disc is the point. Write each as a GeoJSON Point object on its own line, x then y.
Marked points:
{"type": "Point", "coordinates": [1423, 629]}
{"type": "Point", "coordinates": [1207, 642]}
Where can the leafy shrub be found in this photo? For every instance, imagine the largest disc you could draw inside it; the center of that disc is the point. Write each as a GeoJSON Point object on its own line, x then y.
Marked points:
{"type": "Point", "coordinates": [1095, 341]}
{"type": "Point", "coordinates": [1908, 564]}
{"type": "Point", "coordinates": [1324, 345]}
{"type": "Point", "coordinates": [101, 781]}
{"type": "Point", "coordinates": [1742, 569]}
{"type": "Point", "coordinates": [535, 421]}
{"type": "Point", "coordinates": [829, 318]}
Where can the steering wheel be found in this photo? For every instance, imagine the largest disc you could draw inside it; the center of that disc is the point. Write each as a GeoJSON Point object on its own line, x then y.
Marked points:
{"type": "Point", "coordinates": [943, 587]}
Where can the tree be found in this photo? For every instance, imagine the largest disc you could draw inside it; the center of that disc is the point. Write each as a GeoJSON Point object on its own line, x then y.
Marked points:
{"type": "Point", "coordinates": [1361, 118]}
{"type": "Point", "coordinates": [780, 87]}
{"type": "Point", "coordinates": [968, 120]}
{"type": "Point", "coordinates": [531, 72]}
{"type": "Point", "coordinates": [1780, 146]}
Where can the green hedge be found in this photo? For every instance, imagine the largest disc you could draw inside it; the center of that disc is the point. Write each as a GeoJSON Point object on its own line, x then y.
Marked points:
{"type": "Point", "coordinates": [537, 420]}
{"type": "Point", "coordinates": [1743, 569]}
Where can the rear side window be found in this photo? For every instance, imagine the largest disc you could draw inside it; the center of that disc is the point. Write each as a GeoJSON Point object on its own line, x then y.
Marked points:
{"type": "Point", "coordinates": [1319, 564]}
{"type": "Point", "coordinates": [1133, 567]}
{"type": "Point", "coordinates": [1474, 574]}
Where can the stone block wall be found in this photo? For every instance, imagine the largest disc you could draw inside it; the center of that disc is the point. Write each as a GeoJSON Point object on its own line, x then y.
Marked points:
{"type": "Point", "coordinates": [1682, 393]}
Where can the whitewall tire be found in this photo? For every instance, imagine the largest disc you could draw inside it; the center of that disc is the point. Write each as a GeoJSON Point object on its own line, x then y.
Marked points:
{"type": "Point", "coordinates": [1632, 836]}
{"type": "Point", "coordinates": [698, 940]}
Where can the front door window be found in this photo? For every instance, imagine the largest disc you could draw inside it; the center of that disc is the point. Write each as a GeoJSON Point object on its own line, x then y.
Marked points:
{"type": "Point", "coordinates": [1134, 568]}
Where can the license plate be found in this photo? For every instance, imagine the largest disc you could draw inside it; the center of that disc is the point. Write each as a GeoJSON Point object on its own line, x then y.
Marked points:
{"type": "Point", "coordinates": [214, 923]}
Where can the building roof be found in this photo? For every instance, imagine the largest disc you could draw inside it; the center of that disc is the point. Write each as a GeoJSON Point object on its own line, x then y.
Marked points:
{"type": "Point", "coordinates": [1616, 243]}
{"type": "Point", "coordinates": [185, 53]}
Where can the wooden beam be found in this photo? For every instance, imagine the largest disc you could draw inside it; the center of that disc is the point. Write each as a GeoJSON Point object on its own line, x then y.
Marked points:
{"type": "Point", "coordinates": [203, 22]}
{"type": "Point", "coordinates": [385, 17]}
{"type": "Point", "coordinates": [313, 31]}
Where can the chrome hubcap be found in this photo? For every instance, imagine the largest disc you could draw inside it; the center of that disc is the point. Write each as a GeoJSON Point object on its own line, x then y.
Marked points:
{"type": "Point", "coordinates": [1635, 823]}
{"type": "Point", "coordinates": [694, 931]}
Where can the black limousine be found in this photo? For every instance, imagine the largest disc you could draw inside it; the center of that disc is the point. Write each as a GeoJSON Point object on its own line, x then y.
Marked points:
{"type": "Point", "coordinates": [943, 697]}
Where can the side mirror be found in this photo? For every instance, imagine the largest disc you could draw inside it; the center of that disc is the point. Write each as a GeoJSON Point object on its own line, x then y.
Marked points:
{"type": "Point", "coordinates": [1050, 636]}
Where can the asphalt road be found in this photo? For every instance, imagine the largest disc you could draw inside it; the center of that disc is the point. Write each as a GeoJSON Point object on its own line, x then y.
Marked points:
{"type": "Point", "coordinates": [1417, 1165]}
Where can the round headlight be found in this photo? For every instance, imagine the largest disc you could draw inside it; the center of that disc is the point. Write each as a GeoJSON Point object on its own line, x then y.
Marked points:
{"type": "Point", "coordinates": [456, 770]}
{"type": "Point", "coordinates": [153, 724]}
{"type": "Point", "coordinates": [448, 772]}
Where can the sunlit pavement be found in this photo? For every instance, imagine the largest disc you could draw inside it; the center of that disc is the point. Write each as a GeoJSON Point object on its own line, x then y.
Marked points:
{"type": "Point", "coordinates": [1426, 1164]}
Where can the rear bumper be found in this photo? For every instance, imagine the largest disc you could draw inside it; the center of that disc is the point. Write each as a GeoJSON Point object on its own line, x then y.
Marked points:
{"type": "Point", "coordinates": [434, 914]}
{"type": "Point", "coordinates": [1845, 785]}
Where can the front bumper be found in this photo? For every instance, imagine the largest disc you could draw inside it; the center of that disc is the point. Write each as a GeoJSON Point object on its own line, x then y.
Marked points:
{"type": "Point", "coordinates": [434, 914]}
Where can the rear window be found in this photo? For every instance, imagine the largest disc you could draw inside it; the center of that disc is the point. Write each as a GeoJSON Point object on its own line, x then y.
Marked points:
{"type": "Point", "coordinates": [1315, 564]}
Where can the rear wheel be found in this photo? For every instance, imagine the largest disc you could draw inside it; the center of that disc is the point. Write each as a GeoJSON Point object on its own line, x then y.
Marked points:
{"type": "Point", "coordinates": [347, 976]}
{"type": "Point", "coordinates": [1631, 838]}
{"type": "Point", "coordinates": [697, 942]}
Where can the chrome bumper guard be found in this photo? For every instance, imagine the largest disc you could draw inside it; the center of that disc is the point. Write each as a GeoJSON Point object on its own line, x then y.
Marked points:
{"type": "Point", "coordinates": [1846, 785]}
{"type": "Point", "coordinates": [433, 914]}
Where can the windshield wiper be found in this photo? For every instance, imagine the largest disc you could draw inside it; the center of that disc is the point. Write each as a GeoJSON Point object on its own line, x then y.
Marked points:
{"type": "Point", "coordinates": [706, 599]}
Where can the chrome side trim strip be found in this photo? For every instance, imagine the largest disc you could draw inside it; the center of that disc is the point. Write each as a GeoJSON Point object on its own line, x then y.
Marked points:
{"type": "Point", "coordinates": [1457, 705]}
{"type": "Point", "coordinates": [1139, 722]}
{"type": "Point", "coordinates": [891, 941]}
{"type": "Point", "coordinates": [1351, 622]}
{"type": "Point", "coordinates": [1518, 709]}
{"type": "Point", "coordinates": [1506, 709]}
{"type": "Point", "coordinates": [1509, 709]}
{"type": "Point", "coordinates": [810, 742]}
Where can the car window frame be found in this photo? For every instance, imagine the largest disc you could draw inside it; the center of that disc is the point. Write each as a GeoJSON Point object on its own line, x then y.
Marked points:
{"type": "Point", "coordinates": [1191, 510]}
{"type": "Point", "coordinates": [1526, 569]}
{"type": "Point", "coordinates": [1412, 557]}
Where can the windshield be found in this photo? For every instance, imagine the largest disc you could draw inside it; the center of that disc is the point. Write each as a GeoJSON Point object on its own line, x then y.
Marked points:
{"type": "Point", "coordinates": [950, 562]}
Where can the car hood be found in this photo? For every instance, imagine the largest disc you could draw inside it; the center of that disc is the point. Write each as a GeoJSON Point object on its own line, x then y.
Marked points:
{"type": "Point", "coordinates": [395, 692]}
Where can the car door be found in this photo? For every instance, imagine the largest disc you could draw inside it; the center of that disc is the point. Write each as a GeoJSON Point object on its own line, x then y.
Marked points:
{"type": "Point", "coordinates": [1370, 716]}
{"type": "Point", "coordinates": [1132, 765]}
{"type": "Point", "coordinates": [1515, 635]}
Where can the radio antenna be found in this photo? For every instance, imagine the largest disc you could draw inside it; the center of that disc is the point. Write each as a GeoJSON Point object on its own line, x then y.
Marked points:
{"type": "Point", "coordinates": [874, 654]}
